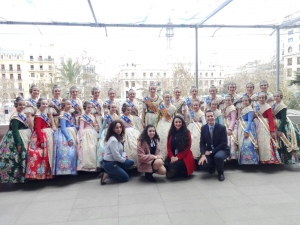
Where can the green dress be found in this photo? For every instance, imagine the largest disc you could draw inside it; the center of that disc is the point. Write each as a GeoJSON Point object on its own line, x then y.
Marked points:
{"type": "Point", "coordinates": [12, 162]}
{"type": "Point", "coordinates": [289, 147]}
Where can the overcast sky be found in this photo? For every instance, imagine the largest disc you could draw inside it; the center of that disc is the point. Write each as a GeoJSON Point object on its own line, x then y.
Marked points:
{"type": "Point", "coordinates": [230, 47]}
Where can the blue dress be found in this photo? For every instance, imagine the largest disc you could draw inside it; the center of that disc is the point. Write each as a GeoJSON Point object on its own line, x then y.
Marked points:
{"type": "Point", "coordinates": [65, 156]}
{"type": "Point", "coordinates": [247, 153]}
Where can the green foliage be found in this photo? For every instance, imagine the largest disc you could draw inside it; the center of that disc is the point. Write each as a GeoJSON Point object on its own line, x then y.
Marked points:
{"type": "Point", "coordinates": [69, 72]}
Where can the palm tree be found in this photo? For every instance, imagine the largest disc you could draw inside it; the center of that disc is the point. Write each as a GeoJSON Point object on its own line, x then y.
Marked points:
{"type": "Point", "coordinates": [70, 72]}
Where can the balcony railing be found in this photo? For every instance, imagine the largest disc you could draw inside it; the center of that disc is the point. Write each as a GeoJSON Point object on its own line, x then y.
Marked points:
{"type": "Point", "coordinates": [10, 71]}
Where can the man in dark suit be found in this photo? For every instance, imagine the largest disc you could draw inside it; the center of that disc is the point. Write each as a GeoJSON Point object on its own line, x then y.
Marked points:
{"type": "Point", "coordinates": [213, 146]}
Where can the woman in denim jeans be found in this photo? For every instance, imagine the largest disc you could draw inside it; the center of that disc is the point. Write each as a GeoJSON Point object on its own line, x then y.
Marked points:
{"type": "Point", "coordinates": [115, 161]}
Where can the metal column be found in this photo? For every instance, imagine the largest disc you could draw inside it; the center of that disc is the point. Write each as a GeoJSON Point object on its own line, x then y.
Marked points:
{"type": "Point", "coordinates": [196, 47]}
{"type": "Point", "coordinates": [277, 57]}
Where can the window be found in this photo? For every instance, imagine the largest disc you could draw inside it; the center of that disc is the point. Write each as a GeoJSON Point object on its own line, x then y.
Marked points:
{"type": "Point", "coordinates": [18, 56]}
{"type": "Point", "coordinates": [290, 61]}
{"type": "Point", "coordinates": [20, 86]}
{"type": "Point", "coordinates": [132, 84]}
{"type": "Point", "coordinates": [290, 40]}
{"type": "Point", "coordinates": [2, 67]}
{"type": "Point", "coordinates": [50, 75]}
{"type": "Point", "coordinates": [3, 76]}
{"type": "Point", "coordinates": [211, 82]}
{"type": "Point", "coordinates": [126, 74]}
{"type": "Point", "coordinates": [212, 74]}
{"type": "Point", "coordinates": [10, 67]}
{"type": "Point", "coordinates": [298, 60]}
{"type": "Point", "coordinates": [200, 74]}
{"type": "Point", "coordinates": [127, 94]}
{"type": "Point", "coordinates": [165, 74]}
{"type": "Point", "coordinates": [18, 67]}
{"type": "Point", "coordinates": [31, 58]}
{"type": "Point", "coordinates": [145, 84]}
{"type": "Point", "coordinates": [9, 56]}
{"type": "Point", "coordinates": [19, 77]}
{"type": "Point", "coordinates": [298, 69]}
{"type": "Point", "coordinates": [1, 56]}
{"type": "Point", "coordinates": [41, 67]}
{"type": "Point", "coordinates": [31, 67]}
{"type": "Point", "coordinates": [40, 58]}
{"type": "Point", "coordinates": [41, 75]}
{"type": "Point", "coordinates": [127, 84]}
{"type": "Point", "coordinates": [50, 67]}
{"type": "Point", "coordinates": [144, 74]}
{"type": "Point", "coordinates": [206, 74]}
{"type": "Point", "coordinates": [32, 74]}
{"type": "Point", "coordinates": [151, 74]}
{"type": "Point", "coordinates": [11, 76]}
{"type": "Point", "coordinates": [299, 47]}
{"type": "Point", "coordinates": [132, 74]}
{"type": "Point", "coordinates": [220, 74]}
{"type": "Point", "coordinates": [206, 82]}
{"type": "Point", "coordinates": [289, 72]}
{"type": "Point", "coordinates": [290, 49]}
{"type": "Point", "coordinates": [220, 83]}
{"type": "Point", "coordinates": [282, 52]}
{"type": "Point", "coordinates": [158, 74]}
{"type": "Point", "coordinates": [290, 32]}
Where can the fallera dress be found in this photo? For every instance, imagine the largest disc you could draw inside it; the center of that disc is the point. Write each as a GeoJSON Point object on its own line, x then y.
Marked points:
{"type": "Point", "coordinates": [152, 109]}
{"type": "Point", "coordinates": [290, 140]}
{"type": "Point", "coordinates": [64, 159]}
{"type": "Point", "coordinates": [87, 144]}
{"type": "Point", "coordinates": [131, 138]}
{"type": "Point", "coordinates": [39, 159]}
{"type": "Point", "coordinates": [248, 149]}
{"type": "Point", "coordinates": [197, 120]}
{"type": "Point", "coordinates": [164, 118]}
{"type": "Point", "coordinates": [12, 162]}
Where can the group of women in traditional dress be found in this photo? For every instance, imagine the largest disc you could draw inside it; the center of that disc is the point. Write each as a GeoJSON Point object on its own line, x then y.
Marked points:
{"type": "Point", "coordinates": [47, 138]}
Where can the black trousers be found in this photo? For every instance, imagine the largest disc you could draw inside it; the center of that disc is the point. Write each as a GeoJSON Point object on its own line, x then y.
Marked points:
{"type": "Point", "coordinates": [215, 161]}
{"type": "Point", "coordinates": [177, 167]}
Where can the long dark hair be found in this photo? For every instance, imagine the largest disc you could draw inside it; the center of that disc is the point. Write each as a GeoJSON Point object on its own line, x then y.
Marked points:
{"type": "Point", "coordinates": [182, 136]}
{"type": "Point", "coordinates": [111, 132]}
{"type": "Point", "coordinates": [144, 135]}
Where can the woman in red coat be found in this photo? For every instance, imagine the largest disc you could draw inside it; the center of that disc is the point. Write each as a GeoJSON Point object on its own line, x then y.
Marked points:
{"type": "Point", "coordinates": [180, 160]}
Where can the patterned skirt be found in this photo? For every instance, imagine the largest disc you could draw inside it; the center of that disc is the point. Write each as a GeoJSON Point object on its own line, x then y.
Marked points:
{"type": "Point", "coordinates": [64, 158]}
{"type": "Point", "coordinates": [38, 158]}
{"type": "Point", "coordinates": [130, 144]}
{"type": "Point", "coordinates": [87, 150]}
{"type": "Point", "coordinates": [196, 135]}
{"type": "Point", "coordinates": [162, 130]}
{"type": "Point", "coordinates": [12, 162]}
{"type": "Point", "coordinates": [247, 153]}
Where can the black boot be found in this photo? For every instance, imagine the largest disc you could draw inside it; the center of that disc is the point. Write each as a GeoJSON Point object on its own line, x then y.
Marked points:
{"type": "Point", "coordinates": [149, 177]}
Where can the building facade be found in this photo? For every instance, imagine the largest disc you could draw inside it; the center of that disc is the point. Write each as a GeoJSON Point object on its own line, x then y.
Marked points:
{"type": "Point", "coordinates": [13, 74]}
{"type": "Point", "coordinates": [290, 49]}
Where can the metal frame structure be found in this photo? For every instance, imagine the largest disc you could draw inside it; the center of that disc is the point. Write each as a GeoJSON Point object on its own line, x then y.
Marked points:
{"type": "Point", "coordinates": [277, 28]}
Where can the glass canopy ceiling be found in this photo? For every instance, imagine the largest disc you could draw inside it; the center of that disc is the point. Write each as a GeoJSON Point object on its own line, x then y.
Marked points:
{"type": "Point", "coordinates": [149, 12]}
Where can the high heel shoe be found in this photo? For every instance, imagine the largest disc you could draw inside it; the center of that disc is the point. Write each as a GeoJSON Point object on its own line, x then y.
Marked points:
{"type": "Point", "coordinates": [101, 175]}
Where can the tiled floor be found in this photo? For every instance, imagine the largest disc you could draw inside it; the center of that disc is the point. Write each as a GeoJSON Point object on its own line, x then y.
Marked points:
{"type": "Point", "coordinates": [250, 195]}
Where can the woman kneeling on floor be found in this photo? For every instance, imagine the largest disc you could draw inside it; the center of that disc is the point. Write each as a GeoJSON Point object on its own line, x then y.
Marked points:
{"type": "Point", "coordinates": [149, 155]}
{"type": "Point", "coordinates": [180, 160]}
{"type": "Point", "coordinates": [115, 161]}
